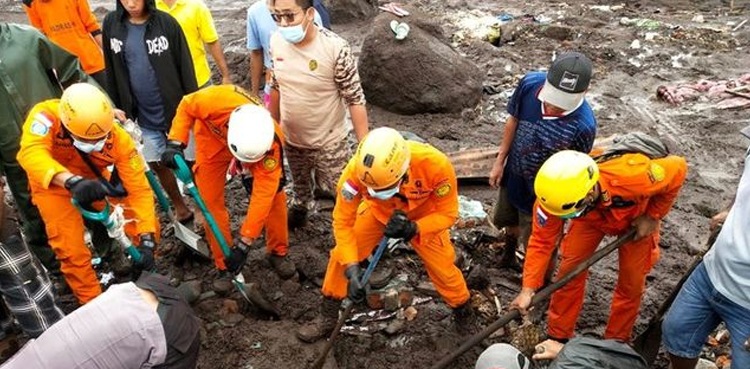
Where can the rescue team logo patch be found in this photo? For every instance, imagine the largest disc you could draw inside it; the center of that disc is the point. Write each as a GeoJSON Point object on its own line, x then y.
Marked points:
{"type": "Point", "coordinates": [349, 190]}
{"type": "Point", "coordinates": [541, 217]}
{"type": "Point", "coordinates": [94, 130]}
{"type": "Point", "coordinates": [313, 65]}
{"type": "Point", "coordinates": [656, 173]}
{"type": "Point", "coordinates": [443, 190]}
{"type": "Point", "coordinates": [41, 124]}
{"type": "Point", "coordinates": [270, 163]}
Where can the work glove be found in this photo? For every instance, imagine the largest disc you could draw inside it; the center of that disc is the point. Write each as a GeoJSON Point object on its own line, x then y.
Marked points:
{"type": "Point", "coordinates": [174, 149]}
{"type": "Point", "coordinates": [237, 257]}
{"type": "Point", "coordinates": [146, 248]}
{"type": "Point", "coordinates": [86, 191]}
{"type": "Point", "coordinates": [399, 226]}
{"type": "Point", "coordinates": [357, 291]}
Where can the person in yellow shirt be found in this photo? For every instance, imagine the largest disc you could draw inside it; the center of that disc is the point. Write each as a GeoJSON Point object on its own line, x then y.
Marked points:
{"type": "Point", "coordinates": [198, 26]}
{"type": "Point", "coordinates": [66, 147]}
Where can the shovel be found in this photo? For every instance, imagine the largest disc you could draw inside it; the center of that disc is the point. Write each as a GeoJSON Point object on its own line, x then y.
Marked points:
{"type": "Point", "coordinates": [115, 222]}
{"type": "Point", "coordinates": [539, 297]}
{"type": "Point", "coordinates": [182, 232]}
{"type": "Point", "coordinates": [349, 305]}
{"type": "Point", "coordinates": [249, 291]}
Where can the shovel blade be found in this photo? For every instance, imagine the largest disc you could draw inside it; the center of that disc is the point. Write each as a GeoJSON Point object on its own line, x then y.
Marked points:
{"type": "Point", "coordinates": [190, 238]}
{"type": "Point", "coordinates": [252, 294]}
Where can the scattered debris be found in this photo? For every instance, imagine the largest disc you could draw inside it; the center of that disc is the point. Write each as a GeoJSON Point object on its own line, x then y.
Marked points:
{"type": "Point", "coordinates": [410, 313]}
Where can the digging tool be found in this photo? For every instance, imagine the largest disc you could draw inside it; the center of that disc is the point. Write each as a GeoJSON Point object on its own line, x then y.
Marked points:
{"type": "Point", "coordinates": [349, 305]}
{"type": "Point", "coordinates": [115, 222]}
{"type": "Point", "coordinates": [538, 297]}
{"type": "Point", "coordinates": [647, 343]}
{"type": "Point", "coordinates": [182, 232]}
{"type": "Point", "coordinates": [248, 290]}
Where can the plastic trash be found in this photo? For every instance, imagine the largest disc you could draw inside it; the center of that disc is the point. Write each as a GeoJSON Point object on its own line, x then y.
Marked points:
{"type": "Point", "coordinates": [504, 17]}
{"type": "Point", "coordinates": [643, 23]}
{"type": "Point", "coordinates": [468, 208]}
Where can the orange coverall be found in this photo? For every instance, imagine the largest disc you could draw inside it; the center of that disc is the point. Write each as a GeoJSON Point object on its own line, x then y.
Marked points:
{"type": "Point", "coordinates": [207, 110]}
{"type": "Point", "coordinates": [46, 150]}
{"type": "Point", "coordinates": [71, 25]}
{"type": "Point", "coordinates": [631, 185]}
{"type": "Point", "coordinates": [428, 195]}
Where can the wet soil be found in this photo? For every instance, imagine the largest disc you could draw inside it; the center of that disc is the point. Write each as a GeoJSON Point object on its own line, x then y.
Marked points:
{"type": "Point", "coordinates": [623, 95]}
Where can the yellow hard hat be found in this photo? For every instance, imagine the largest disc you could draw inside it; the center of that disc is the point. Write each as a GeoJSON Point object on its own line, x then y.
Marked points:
{"type": "Point", "coordinates": [382, 158]}
{"type": "Point", "coordinates": [86, 112]}
{"type": "Point", "coordinates": [563, 182]}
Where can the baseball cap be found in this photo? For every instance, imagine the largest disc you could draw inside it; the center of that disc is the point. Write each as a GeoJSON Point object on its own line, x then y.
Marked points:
{"type": "Point", "coordinates": [567, 81]}
{"type": "Point", "coordinates": [502, 356]}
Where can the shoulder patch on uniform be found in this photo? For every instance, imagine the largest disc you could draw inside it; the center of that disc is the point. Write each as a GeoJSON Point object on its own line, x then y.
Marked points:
{"type": "Point", "coordinates": [656, 173]}
{"type": "Point", "coordinates": [349, 190]}
{"type": "Point", "coordinates": [41, 124]}
{"type": "Point", "coordinates": [541, 217]}
{"type": "Point", "coordinates": [443, 189]}
{"type": "Point", "coordinates": [270, 163]}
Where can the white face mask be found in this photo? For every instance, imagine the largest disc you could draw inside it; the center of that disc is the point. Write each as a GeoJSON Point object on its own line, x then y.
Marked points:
{"type": "Point", "coordinates": [383, 194]}
{"type": "Point", "coordinates": [89, 147]}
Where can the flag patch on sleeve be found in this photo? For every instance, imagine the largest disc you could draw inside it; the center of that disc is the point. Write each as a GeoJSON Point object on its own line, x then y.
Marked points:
{"type": "Point", "coordinates": [349, 190]}
{"type": "Point", "coordinates": [541, 217]}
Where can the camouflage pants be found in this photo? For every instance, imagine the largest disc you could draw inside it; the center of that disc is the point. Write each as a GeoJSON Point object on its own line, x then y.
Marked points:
{"type": "Point", "coordinates": [316, 171]}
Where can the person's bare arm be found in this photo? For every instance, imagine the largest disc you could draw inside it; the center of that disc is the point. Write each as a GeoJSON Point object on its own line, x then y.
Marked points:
{"type": "Point", "coordinates": [256, 70]}
{"type": "Point", "coordinates": [509, 133]}
{"type": "Point", "coordinates": [218, 54]}
{"type": "Point", "coordinates": [359, 120]}
{"type": "Point", "coordinates": [274, 106]}
{"type": "Point", "coordinates": [98, 39]}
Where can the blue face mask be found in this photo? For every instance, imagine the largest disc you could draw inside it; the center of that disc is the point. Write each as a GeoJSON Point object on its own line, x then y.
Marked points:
{"type": "Point", "coordinates": [89, 147]}
{"type": "Point", "coordinates": [383, 194]}
{"type": "Point", "coordinates": [293, 34]}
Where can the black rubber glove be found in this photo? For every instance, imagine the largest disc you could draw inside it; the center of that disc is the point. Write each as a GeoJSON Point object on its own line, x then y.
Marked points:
{"type": "Point", "coordinates": [357, 291]}
{"type": "Point", "coordinates": [399, 226]}
{"type": "Point", "coordinates": [174, 148]}
{"type": "Point", "coordinates": [85, 191]}
{"type": "Point", "coordinates": [146, 248]}
{"type": "Point", "coordinates": [237, 257]}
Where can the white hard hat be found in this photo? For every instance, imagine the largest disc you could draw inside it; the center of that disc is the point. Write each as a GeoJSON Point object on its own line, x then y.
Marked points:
{"type": "Point", "coordinates": [250, 133]}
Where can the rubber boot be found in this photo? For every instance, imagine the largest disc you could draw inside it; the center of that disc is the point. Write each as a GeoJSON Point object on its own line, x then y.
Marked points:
{"type": "Point", "coordinates": [283, 266]}
{"type": "Point", "coordinates": [465, 319]}
{"type": "Point", "coordinates": [322, 326]}
{"type": "Point", "coordinates": [509, 259]}
{"type": "Point", "coordinates": [297, 217]}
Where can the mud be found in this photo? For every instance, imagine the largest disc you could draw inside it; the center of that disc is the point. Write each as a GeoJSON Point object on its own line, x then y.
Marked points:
{"type": "Point", "coordinates": [622, 94]}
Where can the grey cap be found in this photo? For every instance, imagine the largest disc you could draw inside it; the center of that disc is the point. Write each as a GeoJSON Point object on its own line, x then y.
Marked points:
{"type": "Point", "coordinates": [567, 81]}
{"type": "Point", "coordinates": [502, 356]}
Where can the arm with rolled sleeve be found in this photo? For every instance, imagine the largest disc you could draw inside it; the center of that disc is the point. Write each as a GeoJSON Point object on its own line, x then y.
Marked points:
{"type": "Point", "coordinates": [345, 215]}
{"type": "Point", "coordinates": [347, 80]}
{"type": "Point", "coordinates": [545, 229]}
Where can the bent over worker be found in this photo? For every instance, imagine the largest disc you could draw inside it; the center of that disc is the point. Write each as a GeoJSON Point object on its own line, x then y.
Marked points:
{"type": "Point", "coordinates": [229, 123]}
{"type": "Point", "coordinates": [397, 189]}
{"type": "Point", "coordinates": [66, 147]}
{"type": "Point", "coordinates": [601, 199]}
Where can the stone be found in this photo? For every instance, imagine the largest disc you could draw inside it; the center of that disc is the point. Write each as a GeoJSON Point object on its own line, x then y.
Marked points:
{"type": "Point", "coordinates": [345, 11]}
{"type": "Point", "coordinates": [705, 364]}
{"type": "Point", "coordinates": [427, 288]}
{"type": "Point", "coordinates": [420, 74]}
{"type": "Point", "coordinates": [390, 300]}
{"type": "Point", "coordinates": [410, 313]}
{"type": "Point", "coordinates": [477, 278]}
{"type": "Point", "coordinates": [229, 307]}
{"type": "Point", "coordinates": [375, 300]}
{"type": "Point", "coordinates": [190, 291]}
{"type": "Point", "coordinates": [395, 327]}
{"type": "Point", "coordinates": [232, 319]}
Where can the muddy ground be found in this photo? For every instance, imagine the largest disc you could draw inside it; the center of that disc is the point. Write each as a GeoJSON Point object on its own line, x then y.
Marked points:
{"type": "Point", "coordinates": [683, 49]}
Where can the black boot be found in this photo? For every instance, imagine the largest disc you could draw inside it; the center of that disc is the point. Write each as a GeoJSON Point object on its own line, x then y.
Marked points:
{"type": "Point", "coordinates": [465, 319]}
{"type": "Point", "coordinates": [509, 259]}
{"type": "Point", "coordinates": [297, 217]}
{"type": "Point", "coordinates": [322, 326]}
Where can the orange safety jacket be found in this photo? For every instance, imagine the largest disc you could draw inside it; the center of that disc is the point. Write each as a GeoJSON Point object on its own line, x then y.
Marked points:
{"type": "Point", "coordinates": [631, 185]}
{"type": "Point", "coordinates": [47, 149]}
{"type": "Point", "coordinates": [71, 25]}
{"type": "Point", "coordinates": [207, 111]}
{"type": "Point", "coordinates": [428, 195]}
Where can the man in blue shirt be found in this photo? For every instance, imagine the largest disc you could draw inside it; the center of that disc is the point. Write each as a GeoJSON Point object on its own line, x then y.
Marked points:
{"type": "Point", "coordinates": [548, 113]}
{"type": "Point", "coordinates": [260, 27]}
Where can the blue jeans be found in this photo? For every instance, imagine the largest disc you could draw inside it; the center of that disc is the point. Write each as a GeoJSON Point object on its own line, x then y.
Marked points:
{"type": "Point", "coordinates": [698, 310]}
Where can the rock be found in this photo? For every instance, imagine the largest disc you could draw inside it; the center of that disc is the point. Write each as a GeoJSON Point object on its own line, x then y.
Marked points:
{"type": "Point", "coordinates": [428, 289]}
{"type": "Point", "coordinates": [229, 307]}
{"type": "Point", "coordinates": [410, 313]}
{"type": "Point", "coordinates": [420, 74]}
{"type": "Point", "coordinates": [478, 279]}
{"type": "Point", "coordinates": [375, 301]}
{"type": "Point", "coordinates": [560, 33]}
{"type": "Point", "coordinates": [405, 297]}
{"type": "Point", "coordinates": [345, 11]}
{"type": "Point", "coordinates": [232, 319]}
{"type": "Point", "coordinates": [722, 336]}
{"type": "Point", "coordinates": [723, 362]}
{"type": "Point", "coordinates": [191, 291]}
{"type": "Point", "coordinates": [390, 300]}
{"type": "Point", "coordinates": [395, 327]}
{"type": "Point", "coordinates": [705, 364]}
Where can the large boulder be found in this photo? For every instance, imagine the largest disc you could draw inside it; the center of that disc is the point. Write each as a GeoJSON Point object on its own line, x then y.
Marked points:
{"type": "Point", "coordinates": [420, 74]}
{"type": "Point", "coordinates": [345, 11]}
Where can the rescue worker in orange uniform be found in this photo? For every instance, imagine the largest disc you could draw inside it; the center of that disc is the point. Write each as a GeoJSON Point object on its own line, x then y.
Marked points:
{"type": "Point", "coordinates": [398, 189]}
{"type": "Point", "coordinates": [71, 25]}
{"type": "Point", "coordinates": [58, 137]}
{"type": "Point", "coordinates": [230, 123]}
{"type": "Point", "coordinates": [600, 199]}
